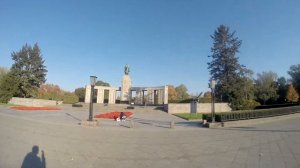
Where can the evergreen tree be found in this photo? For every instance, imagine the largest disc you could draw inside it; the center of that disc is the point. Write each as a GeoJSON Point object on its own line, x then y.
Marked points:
{"type": "Point", "coordinates": [8, 87]}
{"type": "Point", "coordinates": [29, 69]}
{"type": "Point", "coordinates": [233, 79]}
{"type": "Point", "coordinates": [3, 72]}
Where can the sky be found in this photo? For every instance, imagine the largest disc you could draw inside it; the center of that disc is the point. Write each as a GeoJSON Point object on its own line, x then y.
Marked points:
{"type": "Point", "coordinates": [163, 41]}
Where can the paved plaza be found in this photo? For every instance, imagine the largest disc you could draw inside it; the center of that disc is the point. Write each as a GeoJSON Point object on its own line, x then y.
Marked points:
{"type": "Point", "coordinates": [151, 143]}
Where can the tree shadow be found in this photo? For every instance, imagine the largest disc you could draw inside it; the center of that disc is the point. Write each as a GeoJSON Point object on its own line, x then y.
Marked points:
{"type": "Point", "coordinates": [32, 160]}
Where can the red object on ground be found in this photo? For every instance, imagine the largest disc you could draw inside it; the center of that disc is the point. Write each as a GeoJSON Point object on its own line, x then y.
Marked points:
{"type": "Point", "coordinates": [113, 115]}
{"type": "Point", "coordinates": [33, 108]}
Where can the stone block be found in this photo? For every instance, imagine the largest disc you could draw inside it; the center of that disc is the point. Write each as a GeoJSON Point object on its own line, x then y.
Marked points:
{"type": "Point", "coordinates": [93, 123]}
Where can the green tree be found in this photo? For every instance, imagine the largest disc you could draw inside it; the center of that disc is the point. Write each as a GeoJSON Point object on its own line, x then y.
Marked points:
{"type": "Point", "coordinates": [266, 86]}
{"type": "Point", "coordinates": [282, 89]}
{"type": "Point", "coordinates": [233, 79]}
{"type": "Point", "coordinates": [181, 91]}
{"type": "Point", "coordinates": [294, 72]}
{"type": "Point", "coordinates": [8, 87]}
{"type": "Point", "coordinates": [206, 98]}
{"type": "Point", "coordinates": [242, 95]}
{"type": "Point", "coordinates": [29, 69]}
{"type": "Point", "coordinates": [102, 83]}
{"type": "Point", "coordinates": [292, 95]}
{"type": "Point", "coordinates": [3, 72]}
{"type": "Point", "coordinates": [80, 93]}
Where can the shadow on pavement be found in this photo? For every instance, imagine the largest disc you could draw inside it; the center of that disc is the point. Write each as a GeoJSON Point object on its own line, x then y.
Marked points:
{"type": "Point", "coordinates": [166, 124]}
{"type": "Point", "coordinates": [68, 114]}
{"type": "Point", "coordinates": [32, 160]}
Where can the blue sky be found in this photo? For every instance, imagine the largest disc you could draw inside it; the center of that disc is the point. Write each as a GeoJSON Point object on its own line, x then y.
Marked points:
{"type": "Point", "coordinates": [163, 41]}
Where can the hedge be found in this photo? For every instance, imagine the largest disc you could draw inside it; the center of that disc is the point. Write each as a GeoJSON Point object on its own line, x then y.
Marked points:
{"type": "Point", "coordinates": [252, 114]}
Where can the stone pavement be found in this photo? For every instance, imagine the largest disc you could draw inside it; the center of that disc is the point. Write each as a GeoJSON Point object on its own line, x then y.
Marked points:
{"type": "Point", "coordinates": [274, 144]}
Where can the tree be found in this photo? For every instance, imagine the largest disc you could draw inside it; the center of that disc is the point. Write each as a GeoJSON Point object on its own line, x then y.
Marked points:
{"type": "Point", "coordinates": [294, 72]}
{"type": "Point", "coordinates": [3, 72]}
{"type": "Point", "coordinates": [80, 93]}
{"type": "Point", "coordinates": [102, 83]}
{"type": "Point", "coordinates": [233, 79]}
{"type": "Point", "coordinates": [8, 87]}
{"type": "Point", "coordinates": [54, 92]}
{"type": "Point", "coordinates": [181, 91]}
{"type": "Point", "coordinates": [292, 95]}
{"type": "Point", "coordinates": [172, 94]}
{"type": "Point", "coordinates": [50, 92]}
{"type": "Point", "coordinates": [282, 90]}
{"type": "Point", "coordinates": [266, 86]}
{"type": "Point", "coordinates": [242, 95]}
{"type": "Point", "coordinates": [29, 69]}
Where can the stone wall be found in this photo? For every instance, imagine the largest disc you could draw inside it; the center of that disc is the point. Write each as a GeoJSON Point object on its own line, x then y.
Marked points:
{"type": "Point", "coordinates": [33, 102]}
{"type": "Point", "coordinates": [174, 108]}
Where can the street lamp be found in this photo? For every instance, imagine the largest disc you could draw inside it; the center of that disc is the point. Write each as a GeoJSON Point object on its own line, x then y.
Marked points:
{"type": "Point", "coordinates": [212, 86]}
{"type": "Point", "coordinates": [93, 80]}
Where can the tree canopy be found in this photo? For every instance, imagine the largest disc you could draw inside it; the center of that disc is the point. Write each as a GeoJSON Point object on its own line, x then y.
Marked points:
{"type": "Point", "coordinates": [294, 72]}
{"type": "Point", "coordinates": [292, 95]}
{"type": "Point", "coordinates": [172, 94]}
{"type": "Point", "coordinates": [181, 91]}
{"type": "Point", "coordinates": [8, 87]}
{"type": "Point", "coordinates": [102, 83]}
{"type": "Point", "coordinates": [29, 68]}
{"type": "Point", "coordinates": [234, 83]}
{"type": "Point", "coordinates": [266, 86]}
{"type": "Point", "coordinates": [3, 72]}
{"type": "Point", "coordinates": [80, 93]}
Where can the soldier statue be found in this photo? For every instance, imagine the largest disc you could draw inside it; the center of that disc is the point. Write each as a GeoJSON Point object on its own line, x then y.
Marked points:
{"type": "Point", "coordinates": [126, 69]}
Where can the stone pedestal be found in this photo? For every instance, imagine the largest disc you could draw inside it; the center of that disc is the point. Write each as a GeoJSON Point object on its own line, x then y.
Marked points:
{"type": "Point", "coordinates": [126, 85]}
{"type": "Point", "coordinates": [87, 123]}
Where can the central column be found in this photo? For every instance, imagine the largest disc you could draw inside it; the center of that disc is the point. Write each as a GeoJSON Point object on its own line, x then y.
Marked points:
{"type": "Point", "coordinates": [126, 85]}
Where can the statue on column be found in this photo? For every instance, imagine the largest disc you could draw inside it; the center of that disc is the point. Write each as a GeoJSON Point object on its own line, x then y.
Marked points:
{"type": "Point", "coordinates": [126, 69]}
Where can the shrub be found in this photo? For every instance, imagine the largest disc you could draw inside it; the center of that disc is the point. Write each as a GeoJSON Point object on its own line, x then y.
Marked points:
{"type": "Point", "coordinates": [252, 114]}
{"type": "Point", "coordinates": [69, 98]}
{"type": "Point", "coordinates": [53, 92]}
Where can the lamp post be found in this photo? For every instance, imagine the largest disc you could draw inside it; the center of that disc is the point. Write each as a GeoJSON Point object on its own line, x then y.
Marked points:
{"type": "Point", "coordinates": [92, 82]}
{"type": "Point", "coordinates": [212, 86]}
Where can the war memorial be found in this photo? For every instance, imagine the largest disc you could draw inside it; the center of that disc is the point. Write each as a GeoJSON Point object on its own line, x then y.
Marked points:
{"type": "Point", "coordinates": [128, 93]}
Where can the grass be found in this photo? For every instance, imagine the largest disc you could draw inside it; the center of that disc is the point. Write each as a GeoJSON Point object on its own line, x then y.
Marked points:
{"type": "Point", "coordinates": [189, 116]}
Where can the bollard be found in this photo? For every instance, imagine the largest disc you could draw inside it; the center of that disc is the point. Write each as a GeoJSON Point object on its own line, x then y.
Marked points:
{"type": "Point", "coordinates": [172, 125]}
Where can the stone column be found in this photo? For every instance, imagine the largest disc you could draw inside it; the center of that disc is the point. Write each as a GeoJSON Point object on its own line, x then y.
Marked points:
{"type": "Point", "coordinates": [87, 94]}
{"type": "Point", "coordinates": [138, 97]}
{"type": "Point", "coordinates": [100, 95]}
{"type": "Point", "coordinates": [160, 96]}
{"type": "Point", "coordinates": [112, 96]}
{"type": "Point", "coordinates": [166, 95]}
{"type": "Point", "coordinates": [126, 85]}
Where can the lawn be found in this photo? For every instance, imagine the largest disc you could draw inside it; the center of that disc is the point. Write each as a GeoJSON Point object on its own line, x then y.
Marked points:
{"type": "Point", "coordinates": [189, 116]}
